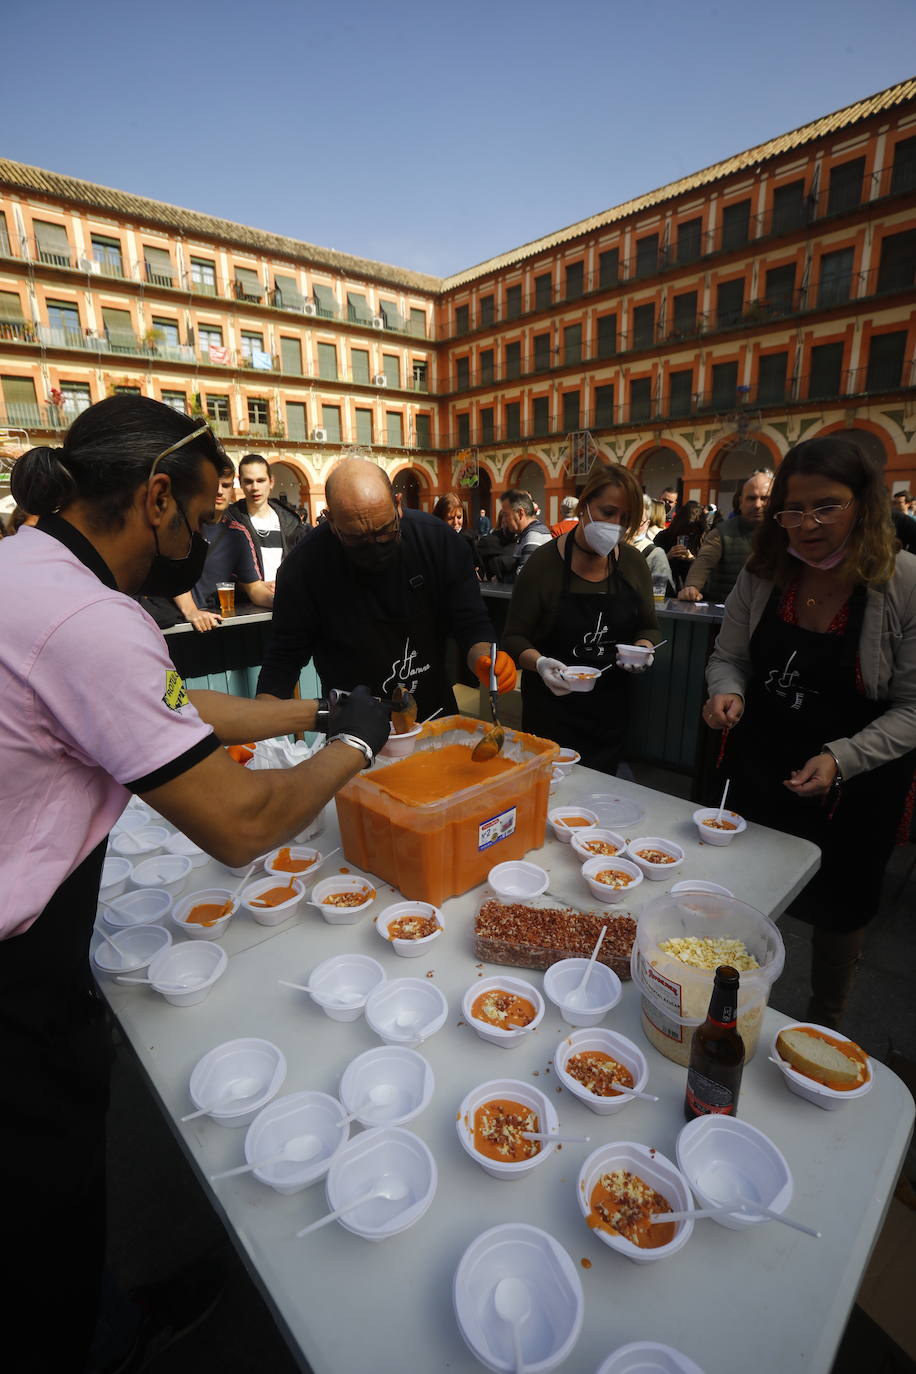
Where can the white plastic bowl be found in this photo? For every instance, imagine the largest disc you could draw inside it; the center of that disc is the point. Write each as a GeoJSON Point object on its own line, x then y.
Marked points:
{"type": "Point", "coordinates": [255, 866]}
{"type": "Point", "coordinates": [193, 930]}
{"type": "Point", "coordinates": [602, 892]}
{"type": "Point", "coordinates": [399, 746]}
{"type": "Point", "coordinates": [648, 1357]}
{"type": "Point", "coordinates": [388, 1086]}
{"type": "Point", "coordinates": [406, 1011]}
{"type": "Point", "coordinates": [549, 1333]}
{"type": "Point", "coordinates": [116, 874]}
{"type": "Point", "coordinates": [297, 851]}
{"type": "Point", "coordinates": [653, 1168]}
{"type": "Point", "coordinates": [408, 949]}
{"type": "Point", "coordinates": [581, 838]}
{"type": "Point", "coordinates": [608, 1042]}
{"type": "Point", "coordinates": [602, 991]}
{"type": "Point", "coordinates": [180, 844]}
{"type": "Point", "coordinates": [517, 879]}
{"type": "Point", "coordinates": [137, 908]}
{"type": "Point", "coordinates": [708, 835]}
{"type": "Point", "coordinates": [257, 1066]}
{"type": "Point", "coordinates": [341, 985]}
{"type": "Point", "coordinates": [136, 844]}
{"type": "Point", "coordinates": [808, 1088]}
{"type": "Point", "coordinates": [634, 654]}
{"type": "Point", "coordinates": [695, 885]}
{"type": "Point", "coordinates": [138, 944]}
{"type": "Point", "coordinates": [564, 833]}
{"type": "Point", "coordinates": [197, 964]}
{"type": "Point", "coordinates": [168, 872]}
{"type": "Point", "coordinates": [511, 1090]}
{"type": "Point", "coordinates": [723, 1156]}
{"type": "Point", "coordinates": [286, 1119]}
{"type": "Point", "coordinates": [519, 987]}
{"type": "Point", "coordinates": [387, 1154]}
{"type": "Point", "coordinates": [135, 815]}
{"type": "Point", "coordinates": [567, 760]}
{"type": "Point", "coordinates": [656, 873]}
{"type": "Point", "coordinates": [272, 915]}
{"type": "Point", "coordinates": [580, 678]}
{"type": "Point", "coordinates": [342, 882]}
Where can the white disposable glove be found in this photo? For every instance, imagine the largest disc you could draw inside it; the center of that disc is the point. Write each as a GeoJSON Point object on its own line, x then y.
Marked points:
{"type": "Point", "coordinates": [551, 672]}
{"type": "Point", "coordinates": [630, 667]}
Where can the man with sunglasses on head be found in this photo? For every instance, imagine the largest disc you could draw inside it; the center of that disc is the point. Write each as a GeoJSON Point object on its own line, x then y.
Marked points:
{"type": "Point", "coordinates": [95, 712]}
{"type": "Point", "coordinates": [373, 597]}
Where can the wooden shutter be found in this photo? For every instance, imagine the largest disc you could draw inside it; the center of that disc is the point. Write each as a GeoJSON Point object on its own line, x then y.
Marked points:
{"type": "Point", "coordinates": [359, 363]}
{"type": "Point", "coordinates": [391, 366]}
{"type": "Point", "coordinates": [291, 356]}
{"type": "Point", "coordinates": [296, 422]}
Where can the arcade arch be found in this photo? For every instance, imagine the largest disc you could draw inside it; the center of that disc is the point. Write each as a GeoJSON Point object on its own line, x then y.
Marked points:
{"type": "Point", "coordinates": [528, 475]}
{"type": "Point", "coordinates": [658, 468]}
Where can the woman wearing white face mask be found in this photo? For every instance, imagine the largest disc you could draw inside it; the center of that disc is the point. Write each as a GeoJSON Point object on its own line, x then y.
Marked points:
{"type": "Point", "coordinates": [817, 661]}
{"type": "Point", "coordinates": [577, 598]}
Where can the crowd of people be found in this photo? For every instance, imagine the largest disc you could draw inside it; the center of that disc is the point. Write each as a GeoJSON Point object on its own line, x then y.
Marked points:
{"type": "Point", "coordinates": [812, 689]}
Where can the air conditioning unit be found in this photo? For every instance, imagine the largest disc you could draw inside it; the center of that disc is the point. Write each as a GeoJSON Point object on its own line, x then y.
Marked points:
{"type": "Point", "coordinates": [378, 322]}
{"type": "Point", "coordinates": [320, 436]}
{"type": "Point", "coordinates": [310, 308]}
{"type": "Point", "coordinates": [379, 379]}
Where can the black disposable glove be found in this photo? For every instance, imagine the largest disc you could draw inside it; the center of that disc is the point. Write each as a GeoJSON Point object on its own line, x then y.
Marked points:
{"type": "Point", "coordinates": [362, 715]}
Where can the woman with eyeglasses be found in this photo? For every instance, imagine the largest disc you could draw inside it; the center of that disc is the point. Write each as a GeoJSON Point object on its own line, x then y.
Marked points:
{"type": "Point", "coordinates": [94, 713]}
{"type": "Point", "coordinates": [574, 601]}
{"type": "Point", "coordinates": [814, 677]}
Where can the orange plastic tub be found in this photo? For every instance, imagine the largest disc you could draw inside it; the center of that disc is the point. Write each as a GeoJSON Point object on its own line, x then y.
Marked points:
{"type": "Point", "coordinates": [431, 850]}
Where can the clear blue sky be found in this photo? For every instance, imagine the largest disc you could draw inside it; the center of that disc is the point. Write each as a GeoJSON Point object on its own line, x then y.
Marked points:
{"type": "Point", "coordinates": [427, 135]}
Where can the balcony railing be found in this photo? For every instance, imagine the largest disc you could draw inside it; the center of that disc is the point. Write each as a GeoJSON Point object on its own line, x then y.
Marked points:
{"type": "Point", "coordinates": [17, 331]}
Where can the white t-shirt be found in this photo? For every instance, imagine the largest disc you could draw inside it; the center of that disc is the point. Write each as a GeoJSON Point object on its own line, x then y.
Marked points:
{"type": "Point", "coordinates": [270, 541]}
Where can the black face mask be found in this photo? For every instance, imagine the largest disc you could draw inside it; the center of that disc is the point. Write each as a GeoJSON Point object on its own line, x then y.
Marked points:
{"type": "Point", "coordinates": [174, 576]}
{"type": "Point", "coordinates": [374, 558]}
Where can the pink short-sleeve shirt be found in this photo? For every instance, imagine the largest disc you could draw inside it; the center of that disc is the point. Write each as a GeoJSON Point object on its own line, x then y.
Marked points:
{"type": "Point", "coordinates": [93, 709]}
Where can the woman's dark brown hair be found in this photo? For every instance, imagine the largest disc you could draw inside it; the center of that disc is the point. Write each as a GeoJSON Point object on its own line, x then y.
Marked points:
{"type": "Point", "coordinates": [615, 474]}
{"type": "Point", "coordinates": [870, 552]}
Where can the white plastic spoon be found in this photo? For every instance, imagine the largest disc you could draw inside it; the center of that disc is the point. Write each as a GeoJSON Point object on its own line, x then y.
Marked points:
{"type": "Point", "coordinates": [298, 1150]}
{"type": "Point", "coordinates": [562, 1139]}
{"type": "Point", "coordinates": [164, 987]}
{"type": "Point", "coordinates": [632, 1092]}
{"type": "Point", "coordinates": [576, 998]}
{"type": "Point", "coordinates": [343, 999]}
{"type": "Point", "coordinates": [238, 1088]}
{"type": "Point", "coordinates": [437, 712]}
{"type": "Point", "coordinates": [392, 1192]}
{"type": "Point", "coordinates": [748, 1208]}
{"type": "Point", "coordinates": [722, 802]}
{"type": "Point", "coordinates": [382, 1095]}
{"type": "Point", "coordinates": [513, 1303]}
{"type": "Point", "coordinates": [307, 873]}
{"type": "Point", "coordinates": [125, 963]}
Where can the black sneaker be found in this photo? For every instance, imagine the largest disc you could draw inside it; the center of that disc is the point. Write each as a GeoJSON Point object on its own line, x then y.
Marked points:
{"type": "Point", "coordinates": [169, 1310]}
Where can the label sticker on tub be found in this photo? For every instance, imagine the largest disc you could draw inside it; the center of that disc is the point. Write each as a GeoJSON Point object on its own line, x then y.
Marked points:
{"type": "Point", "coordinates": [666, 993]}
{"type": "Point", "coordinates": [496, 828]}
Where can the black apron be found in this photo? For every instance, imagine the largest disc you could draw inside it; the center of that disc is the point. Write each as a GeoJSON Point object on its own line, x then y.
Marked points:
{"type": "Point", "coordinates": [802, 694]}
{"type": "Point", "coordinates": [586, 629]}
{"type": "Point", "coordinates": [398, 639]}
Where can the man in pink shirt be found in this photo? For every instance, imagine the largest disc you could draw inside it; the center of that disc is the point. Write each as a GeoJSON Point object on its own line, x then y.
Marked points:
{"type": "Point", "coordinates": [94, 711]}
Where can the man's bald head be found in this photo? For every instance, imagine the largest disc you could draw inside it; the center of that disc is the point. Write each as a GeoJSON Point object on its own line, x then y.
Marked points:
{"type": "Point", "coordinates": [360, 500]}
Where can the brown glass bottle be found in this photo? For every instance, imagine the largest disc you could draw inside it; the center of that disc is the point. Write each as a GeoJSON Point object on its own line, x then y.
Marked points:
{"type": "Point", "coordinates": [717, 1053]}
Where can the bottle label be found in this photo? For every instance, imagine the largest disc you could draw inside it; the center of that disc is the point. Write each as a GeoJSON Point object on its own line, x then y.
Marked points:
{"type": "Point", "coordinates": [706, 1097]}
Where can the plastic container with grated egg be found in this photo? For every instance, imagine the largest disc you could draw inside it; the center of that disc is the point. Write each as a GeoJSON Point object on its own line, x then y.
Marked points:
{"type": "Point", "coordinates": [680, 940]}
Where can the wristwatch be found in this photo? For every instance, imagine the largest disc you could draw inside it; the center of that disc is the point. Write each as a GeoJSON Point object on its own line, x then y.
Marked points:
{"type": "Point", "coordinates": [356, 743]}
{"type": "Point", "coordinates": [322, 715]}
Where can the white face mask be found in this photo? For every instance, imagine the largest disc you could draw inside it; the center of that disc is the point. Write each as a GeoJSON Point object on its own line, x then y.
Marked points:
{"type": "Point", "coordinates": [601, 536]}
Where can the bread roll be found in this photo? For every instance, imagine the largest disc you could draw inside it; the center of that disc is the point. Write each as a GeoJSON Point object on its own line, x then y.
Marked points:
{"type": "Point", "coordinates": [809, 1053]}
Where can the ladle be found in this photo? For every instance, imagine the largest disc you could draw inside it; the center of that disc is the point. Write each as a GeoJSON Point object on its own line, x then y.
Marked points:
{"type": "Point", "coordinates": [298, 1150]}
{"type": "Point", "coordinates": [512, 1301]}
{"type": "Point", "coordinates": [382, 1095]}
{"type": "Point", "coordinates": [404, 710]}
{"type": "Point", "coordinates": [392, 1191]}
{"type": "Point", "coordinates": [491, 742]}
{"type": "Point", "coordinates": [238, 1088]}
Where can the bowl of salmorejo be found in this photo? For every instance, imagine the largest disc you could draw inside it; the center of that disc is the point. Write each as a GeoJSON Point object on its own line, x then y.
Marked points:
{"type": "Point", "coordinates": [344, 899]}
{"type": "Point", "coordinates": [291, 860]}
{"type": "Point", "coordinates": [593, 842]}
{"type": "Point", "coordinates": [503, 1010]}
{"type": "Point", "coordinates": [658, 858]}
{"type": "Point", "coordinates": [271, 900]}
{"type": "Point", "coordinates": [579, 678]}
{"type": "Point", "coordinates": [595, 1064]}
{"type": "Point", "coordinates": [566, 820]}
{"type": "Point", "coordinates": [410, 927]}
{"type": "Point", "coordinates": [611, 880]}
{"type": "Point", "coordinates": [715, 829]}
{"type": "Point", "coordinates": [622, 1186]}
{"type": "Point", "coordinates": [495, 1120]}
{"type": "Point", "coordinates": [821, 1065]}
